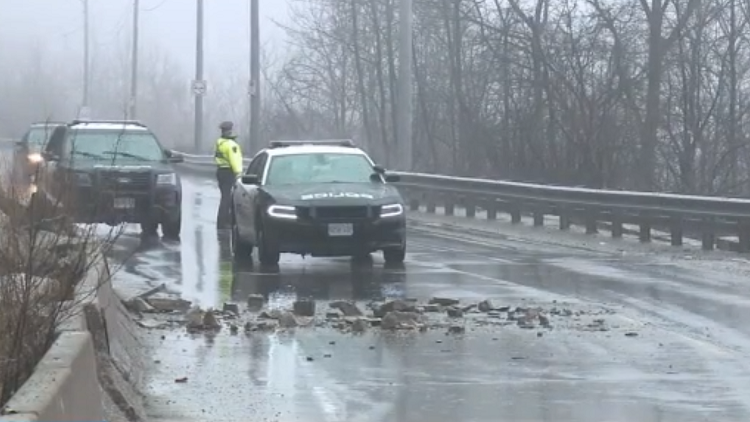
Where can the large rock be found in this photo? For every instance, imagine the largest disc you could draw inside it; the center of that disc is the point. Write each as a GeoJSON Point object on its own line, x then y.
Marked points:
{"type": "Point", "coordinates": [394, 305]}
{"type": "Point", "coordinates": [400, 320]}
{"type": "Point", "coordinates": [287, 320]}
{"type": "Point", "coordinates": [255, 302]}
{"type": "Point", "coordinates": [304, 308]}
{"type": "Point", "coordinates": [168, 304]}
{"type": "Point", "coordinates": [347, 308]}
{"type": "Point", "coordinates": [444, 301]}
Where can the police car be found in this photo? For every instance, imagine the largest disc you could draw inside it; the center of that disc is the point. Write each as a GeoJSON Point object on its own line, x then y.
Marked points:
{"type": "Point", "coordinates": [112, 172]}
{"type": "Point", "coordinates": [318, 198]}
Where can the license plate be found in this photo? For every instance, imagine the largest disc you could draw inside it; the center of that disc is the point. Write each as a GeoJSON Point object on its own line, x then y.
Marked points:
{"type": "Point", "coordinates": [340, 229]}
{"type": "Point", "coordinates": [124, 203]}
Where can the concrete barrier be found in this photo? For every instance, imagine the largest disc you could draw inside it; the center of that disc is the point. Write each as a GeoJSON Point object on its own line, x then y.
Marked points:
{"type": "Point", "coordinates": [94, 361]}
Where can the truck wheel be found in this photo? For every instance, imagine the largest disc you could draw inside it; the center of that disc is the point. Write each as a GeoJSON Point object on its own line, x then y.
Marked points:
{"type": "Point", "coordinates": [268, 253]}
{"type": "Point", "coordinates": [149, 229]}
{"type": "Point", "coordinates": [171, 229]}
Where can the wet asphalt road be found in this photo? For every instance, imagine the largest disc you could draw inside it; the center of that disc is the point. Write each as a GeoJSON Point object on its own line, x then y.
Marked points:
{"type": "Point", "coordinates": [688, 361]}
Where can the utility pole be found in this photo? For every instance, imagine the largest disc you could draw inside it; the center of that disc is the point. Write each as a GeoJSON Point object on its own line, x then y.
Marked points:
{"type": "Point", "coordinates": [198, 129]}
{"type": "Point", "coordinates": [86, 61]}
{"type": "Point", "coordinates": [134, 61]}
{"type": "Point", "coordinates": [254, 141]}
{"type": "Point", "coordinates": [405, 84]}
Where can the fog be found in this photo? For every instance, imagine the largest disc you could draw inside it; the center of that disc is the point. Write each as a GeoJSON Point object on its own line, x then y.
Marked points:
{"type": "Point", "coordinates": [41, 50]}
{"type": "Point", "coordinates": [570, 92]}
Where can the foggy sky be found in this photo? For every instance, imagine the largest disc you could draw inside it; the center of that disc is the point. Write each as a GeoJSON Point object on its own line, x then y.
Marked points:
{"type": "Point", "coordinates": [168, 25]}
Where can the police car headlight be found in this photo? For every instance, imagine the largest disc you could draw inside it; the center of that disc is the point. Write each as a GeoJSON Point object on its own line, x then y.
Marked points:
{"type": "Point", "coordinates": [36, 158]}
{"type": "Point", "coordinates": [283, 211]}
{"type": "Point", "coordinates": [166, 179]}
{"type": "Point", "coordinates": [391, 210]}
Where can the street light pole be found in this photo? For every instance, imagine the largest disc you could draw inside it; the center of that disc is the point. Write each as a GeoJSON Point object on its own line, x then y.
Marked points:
{"type": "Point", "coordinates": [198, 121]}
{"type": "Point", "coordinates": [134, 61]}
{"type": "Point", "coordinates": [254, 141]}
{"type": "Point", "coordinates": [404, 107]}
{"type": "Point", "coordinates": [86, 60]}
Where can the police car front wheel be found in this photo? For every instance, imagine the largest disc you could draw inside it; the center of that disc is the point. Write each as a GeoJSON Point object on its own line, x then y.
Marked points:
{"type": "Point", "coordinates": [394, 255]}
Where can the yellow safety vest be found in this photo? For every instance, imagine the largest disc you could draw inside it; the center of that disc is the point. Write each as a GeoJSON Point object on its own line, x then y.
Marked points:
{"type": "Point", "coordinates": [228, 154]}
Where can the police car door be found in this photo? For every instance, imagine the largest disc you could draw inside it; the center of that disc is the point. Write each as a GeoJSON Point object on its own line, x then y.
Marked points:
{"type": "Point", "coordinates": [246, 196]}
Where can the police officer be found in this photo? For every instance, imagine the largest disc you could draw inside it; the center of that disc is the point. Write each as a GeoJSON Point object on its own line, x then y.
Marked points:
{"type": "Point", "coordinates": [228, 156]}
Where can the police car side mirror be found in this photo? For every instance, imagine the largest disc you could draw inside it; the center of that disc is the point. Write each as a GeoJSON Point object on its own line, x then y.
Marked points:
{"type": "Point", "coordinates": [392, 178]}
{"type": "Point", "coordinates": [378, 169]}
{"type": "Point", "coordinates": [250, 179]}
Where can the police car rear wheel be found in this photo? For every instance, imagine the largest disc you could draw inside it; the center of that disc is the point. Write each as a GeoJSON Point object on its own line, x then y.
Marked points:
{"type": "Point", "coordinates": [241, 250]}
{"type": "Point", "coordinates": [394, 255]}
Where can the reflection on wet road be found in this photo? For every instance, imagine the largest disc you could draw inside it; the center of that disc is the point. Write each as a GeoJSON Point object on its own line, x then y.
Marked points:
{"type": "Point", "coordinates": [687, 363]}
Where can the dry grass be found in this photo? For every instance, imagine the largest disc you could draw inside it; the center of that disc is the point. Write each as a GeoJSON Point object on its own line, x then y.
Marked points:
{"type": "Point", "coordinates": [43, 258]}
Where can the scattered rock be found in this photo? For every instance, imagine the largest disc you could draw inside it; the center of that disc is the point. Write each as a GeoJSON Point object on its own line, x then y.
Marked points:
{"type": "Point", "coordinates": [272, 314]}
{"type": "Point", "coordinates": [231, 308]}
{"type": "Point", "coordinates": [150, 292]}
{"type": "Point", "coordinates": [455, 313]}
{"type": "Point", "coordinates": [399, 320]}
{"type": "Point", "coordinates": [139, 305]}
{"type": "Point", "coordinates": [181, 380]}
{"type": "Point", "coordinates": [152, 323]}
{"type": "Point", "coordinates": [456, 329]}
{"type": "Point", "coordinates": [255, 302]}
{"type": "Point", "coordinates": [360, 325]}
{"type": "Point", "coordinates": [304, 308]}
{"type": "Point", "coordinates": [631, 334]}
{"type": "Point", "coordinates": [210, 322]}
{"type": "Point", "coordinates": [485, 306]}
{"type": "Point", "coordinates": [347, 308]}
{"type": "Point", "coordinates": [169, 304]}
{"type": "Point", "coordinates": [432, 308]}
{"type": "Point", "coordinates": [394, 305]}
{"type": "Point", "coordinates": [194, 319]}
{"type": "Point", "coordinates": [333, 315]}
{"type": "Point", "coordinates": [233, 329]}
{"type": "Point", "coordinates": [268, 325]}
{"type": "Point", "coordinates": [287, 320]}
{"type": "Point", "coordinates": [544, 321]}
{"type": "Point", "coordinates": [248, 327]}
{"type": "Point", "coordinates": [444, 301]}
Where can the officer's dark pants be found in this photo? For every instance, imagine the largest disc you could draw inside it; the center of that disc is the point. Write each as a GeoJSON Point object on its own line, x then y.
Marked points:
{"type": "Point", "coordinates": [226, 180]}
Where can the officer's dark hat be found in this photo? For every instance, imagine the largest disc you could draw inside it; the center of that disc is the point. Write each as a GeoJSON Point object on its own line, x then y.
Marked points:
{"type": "Point", "coordinates": [227, 128]}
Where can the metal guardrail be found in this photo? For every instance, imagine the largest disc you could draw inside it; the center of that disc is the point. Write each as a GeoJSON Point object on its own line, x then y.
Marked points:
{"type": "Point", "coordinates": [706, 217]}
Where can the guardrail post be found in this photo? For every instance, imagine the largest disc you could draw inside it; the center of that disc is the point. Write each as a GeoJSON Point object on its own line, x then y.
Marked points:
{"type": "Point", "coordinates": [414, 199]}
{"type": "Point", "coordinates": [538, 217]}
{"type": "Point", "coordinates": [591, 218]}
{"type": "Point", "coordinates": [449, 207]}
{"type": "Point", "coordinates": [644, 228]}
{"type": "Point", "coordinates": [616, 228]}
{"type": "Point", "coordinates": [708, 236]}
{"type": "Point", "coordinates": [743, 235]}
{"type": "Point", "coordinates": [491, 207]}
{"type": "Point", "coordinates": [471, 210]}
{"type": "Point", "coordinates": [515, 213]}
{"type": "Point", "coordinates": [431, 204]}
{"type": "Point", "coordinates": [564, 217]}
{"type": "Point", "coordinates": [676, 232]}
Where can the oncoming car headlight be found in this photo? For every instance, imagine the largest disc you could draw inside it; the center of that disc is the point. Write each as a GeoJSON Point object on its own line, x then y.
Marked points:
{"type": "Point", "coordinates": [391, 210]}
{"type": "Point", "coordinates": [166, 179]}
{"type": "Point", "coordinates": [35, 158]}
{"type": "Point", "coordinates": [283, 211]}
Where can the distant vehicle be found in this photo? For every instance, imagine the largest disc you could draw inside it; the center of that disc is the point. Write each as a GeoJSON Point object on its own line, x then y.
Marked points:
{"type": "Point", "coordinates": [27, 154]}
{"type": "Point", "coordinates": [324, 198]}
{"type": "Point", "coordinates": [113, 172]}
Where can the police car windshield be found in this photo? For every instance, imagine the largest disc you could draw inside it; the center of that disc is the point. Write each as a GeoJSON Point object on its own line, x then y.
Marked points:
{"type": "Point", "coordinates": [311, 168]}
{"type": "Point", "coordinates": [116, 145]}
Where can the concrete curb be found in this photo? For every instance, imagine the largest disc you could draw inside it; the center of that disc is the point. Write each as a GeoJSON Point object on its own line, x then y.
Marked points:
{"type": "Point", "coordinates": [96, 359]}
